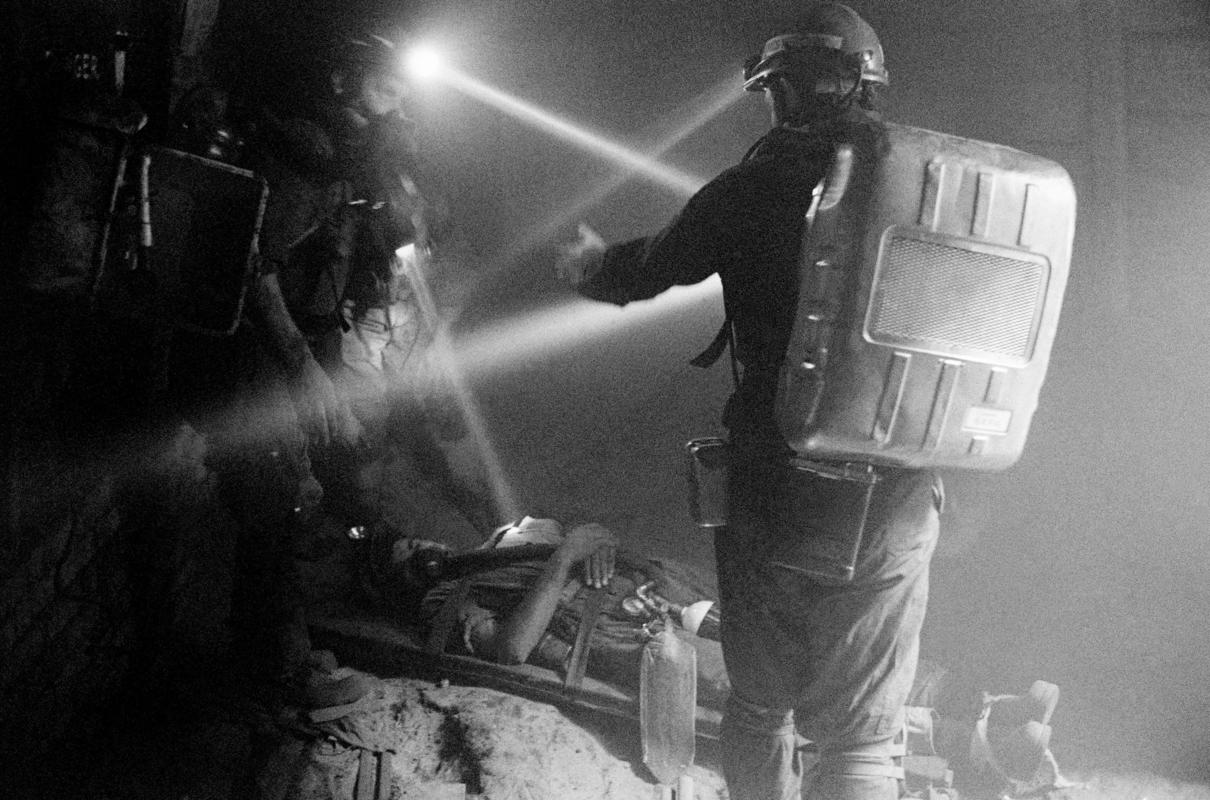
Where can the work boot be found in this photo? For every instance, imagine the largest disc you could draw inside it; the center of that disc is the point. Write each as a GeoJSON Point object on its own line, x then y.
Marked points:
{"type": "Point", "coordinates": [1036, 705]}
{"type": "Point", "coordinates": [325, 685]}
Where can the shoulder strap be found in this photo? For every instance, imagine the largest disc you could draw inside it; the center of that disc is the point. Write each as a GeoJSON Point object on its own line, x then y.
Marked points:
{"type": "Point", "coordinates": [715, 349]}
{"type": "Point", "coordinates": [723, 340]}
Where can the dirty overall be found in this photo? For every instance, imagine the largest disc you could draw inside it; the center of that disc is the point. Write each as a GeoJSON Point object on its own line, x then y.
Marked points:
{"type": "Point", "coordinates": [823, 579]}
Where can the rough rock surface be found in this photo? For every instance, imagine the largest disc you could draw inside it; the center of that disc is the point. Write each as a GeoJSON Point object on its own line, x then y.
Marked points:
{"type": "Point", "coordinates": [457, 741]}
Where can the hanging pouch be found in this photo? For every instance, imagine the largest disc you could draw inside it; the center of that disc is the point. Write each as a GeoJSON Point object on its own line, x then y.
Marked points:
{"type": "Point", "coordinates": [821, 513]}
{"type": "Point", "coordinates": [707, 459]}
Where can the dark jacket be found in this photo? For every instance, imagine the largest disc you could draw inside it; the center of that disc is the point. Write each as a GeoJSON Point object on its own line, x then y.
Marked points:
{"type": "Point", "coordinates": [746, 225]}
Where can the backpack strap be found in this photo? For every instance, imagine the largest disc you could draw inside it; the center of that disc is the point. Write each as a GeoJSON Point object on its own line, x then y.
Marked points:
{"type": "Point", "coordinates": [714, 350]}
{"type": "Point", "coordinates": [724, 340]}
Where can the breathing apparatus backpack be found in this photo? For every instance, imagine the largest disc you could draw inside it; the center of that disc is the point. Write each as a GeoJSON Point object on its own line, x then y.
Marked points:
{"type": "Point", "coordinates": [930, 278]}
{"type": "Point", "coordinates": [931, 275]}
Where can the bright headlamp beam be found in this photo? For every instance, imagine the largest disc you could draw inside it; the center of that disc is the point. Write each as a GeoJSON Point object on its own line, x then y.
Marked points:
{"type": "Point", "coordinates": [712, 103]}
{"type": "Point", "coordinates": [502, 493]}
{"type": "Point", "coordinates": [678, 181]}
{"type": "Point", "coordinates": [508, 343]}
{"type": "Point", "coordinates": [423, 62]}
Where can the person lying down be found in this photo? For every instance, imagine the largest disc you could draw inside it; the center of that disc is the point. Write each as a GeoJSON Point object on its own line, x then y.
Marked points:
{"type": "Point", "coordinates": [530, 611]}
{"type": "Point", "coordinates": [528, 608]}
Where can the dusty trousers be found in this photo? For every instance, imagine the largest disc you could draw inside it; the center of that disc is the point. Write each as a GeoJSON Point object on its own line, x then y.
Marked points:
{"type": "Point", "coordinates": [830, 661]}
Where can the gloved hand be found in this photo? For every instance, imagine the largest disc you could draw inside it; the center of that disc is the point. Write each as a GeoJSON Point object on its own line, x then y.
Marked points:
{"type": "Point", "coordinates": [325, 417]}
{"type": "Point", "coordinates": [580, 259]}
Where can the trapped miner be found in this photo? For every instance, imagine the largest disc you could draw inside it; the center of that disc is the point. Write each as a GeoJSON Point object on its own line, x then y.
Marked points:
{"type": "Point", "coordinates": [512, 607]}
{"type": "Point", "coordinates": [832, 659]}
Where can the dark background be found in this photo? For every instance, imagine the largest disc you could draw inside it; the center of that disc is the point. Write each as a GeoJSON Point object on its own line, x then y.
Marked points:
{"type": "Point", "coordinates": [1086, 564]}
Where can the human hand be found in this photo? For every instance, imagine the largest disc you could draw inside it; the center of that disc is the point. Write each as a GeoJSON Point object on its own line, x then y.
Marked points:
{"type": "Point", "coordinates": [326, 419]}
{"type": "Point", "coordinates": [578, 260]}
{"type": "Point", "coordinates": [594, 545]}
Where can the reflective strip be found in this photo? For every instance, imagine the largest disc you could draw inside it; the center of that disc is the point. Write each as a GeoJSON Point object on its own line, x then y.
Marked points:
{"type": "Point", "coordinates": [859, 765]}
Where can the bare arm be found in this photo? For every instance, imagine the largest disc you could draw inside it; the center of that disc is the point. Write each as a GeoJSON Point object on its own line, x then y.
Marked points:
{"type": "Point", "coordinates": [512, 640]}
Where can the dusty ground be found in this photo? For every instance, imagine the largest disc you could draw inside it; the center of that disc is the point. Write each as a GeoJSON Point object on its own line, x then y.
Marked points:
{"type": "Point", "coordinates": [442, 741]}
{"type": "Point", "coordinates": [467, 741]}
{"type": "Point", "coordinates": [1109, 786]}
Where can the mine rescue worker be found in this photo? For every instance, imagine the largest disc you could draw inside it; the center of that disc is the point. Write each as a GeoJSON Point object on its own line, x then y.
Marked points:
{"type": "Point", "coordinates": [831, 660]}
{"type": "Point", "coordinates": [276, 422]}
{"type": "Point", "coordinates": [358, 283]}
{"type": "Point", "coordinates": [344, 205]}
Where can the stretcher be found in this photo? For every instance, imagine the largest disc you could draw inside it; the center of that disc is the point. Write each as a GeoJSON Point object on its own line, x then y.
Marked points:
{"type": "Point", "coordinates": [390, 649]}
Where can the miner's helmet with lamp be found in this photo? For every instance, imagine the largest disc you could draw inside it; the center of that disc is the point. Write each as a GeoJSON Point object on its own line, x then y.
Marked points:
{"type": "Point", "coordinates": [832, 52]}
{"type": "Point", "coordinates": [371, 92]}
{"type": "Point", "coordinates": [367, 74]}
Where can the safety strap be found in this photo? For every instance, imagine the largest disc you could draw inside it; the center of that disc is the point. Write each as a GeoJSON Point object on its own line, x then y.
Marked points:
{"type": "Point", "coordinates": [447, 617]}
{"type": "Point", "coordinates": [715, 349]}
{"type": "Point", "coordinates": [859, 767]}
{"type": "Point", "coordinates": [594, 603]}
{"type": "Point", "coordinates": [723, 340]}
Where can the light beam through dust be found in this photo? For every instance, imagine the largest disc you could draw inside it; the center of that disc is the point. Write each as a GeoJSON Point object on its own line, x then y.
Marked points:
{"type": "Point", "coordinates": [502, 493]}
{"type": "Point", "coordinates": [510, 343]}
{"type": "Point", "coordinates": [710, 105]}
{"type": "Point", "coordinates": [677, 180]}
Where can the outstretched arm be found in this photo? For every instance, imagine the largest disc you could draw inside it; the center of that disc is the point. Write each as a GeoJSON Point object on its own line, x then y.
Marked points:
{"type": "Point", "coordinates": [510, 641]}
{"type": "Point", "coordinates": [690, 248]}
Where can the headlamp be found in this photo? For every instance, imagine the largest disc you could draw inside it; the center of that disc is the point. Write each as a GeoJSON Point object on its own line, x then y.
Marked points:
{"type": "Point", "coordinates": [422, 62]}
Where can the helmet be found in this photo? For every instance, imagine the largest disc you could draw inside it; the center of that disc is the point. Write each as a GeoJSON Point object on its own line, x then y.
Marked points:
{"type": "Point", "coordinates": [832, 39]}
{"type": "Point", "coordinates": [363, 53]}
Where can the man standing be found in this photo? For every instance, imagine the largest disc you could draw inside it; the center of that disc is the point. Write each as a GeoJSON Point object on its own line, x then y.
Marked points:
{"type": "Point", "coordinates": [832, 659]}
{"type": "Point", "coordinates": [282, 433]}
